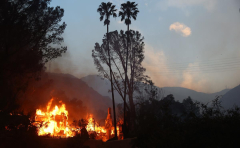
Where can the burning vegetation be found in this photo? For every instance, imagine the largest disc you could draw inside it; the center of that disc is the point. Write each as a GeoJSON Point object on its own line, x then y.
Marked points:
{"type": "Point", "coordinates": [53, 122]}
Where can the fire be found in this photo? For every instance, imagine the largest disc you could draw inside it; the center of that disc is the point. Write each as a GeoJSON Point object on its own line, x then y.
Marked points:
{"type": "Point", "coordinates": [55, 124]}
{"type": "Point", "coordinates": [91, 124]}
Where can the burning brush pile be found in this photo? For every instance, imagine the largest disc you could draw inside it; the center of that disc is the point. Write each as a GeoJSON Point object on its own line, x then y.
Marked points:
{"type": "Point", "coordinates": [54, 123]}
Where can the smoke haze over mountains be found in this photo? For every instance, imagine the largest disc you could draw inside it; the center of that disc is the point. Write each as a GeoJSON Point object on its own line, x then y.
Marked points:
{"type": "Point", "coordinates": [206, 60]}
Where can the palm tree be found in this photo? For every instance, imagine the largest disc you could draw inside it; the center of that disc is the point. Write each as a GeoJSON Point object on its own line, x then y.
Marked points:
{"type": "Point", "coordinates": [128, 10]}
{"type": "Point", "coordinates": [106, 10]}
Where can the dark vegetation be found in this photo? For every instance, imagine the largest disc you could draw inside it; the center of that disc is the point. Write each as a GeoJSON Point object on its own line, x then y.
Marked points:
{"type": "Point", "coordinates": [169, 123]}
{"type": "Point", "coordinates": [30, 35]}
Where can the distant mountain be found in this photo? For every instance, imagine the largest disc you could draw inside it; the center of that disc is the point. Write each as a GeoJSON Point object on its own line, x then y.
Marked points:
{"type": "Point", "coordinates": [231, 98]}
{"type": "Point", "coordinates": [103, 85]}
{"type": "Point", "coordinates": [181, 93]}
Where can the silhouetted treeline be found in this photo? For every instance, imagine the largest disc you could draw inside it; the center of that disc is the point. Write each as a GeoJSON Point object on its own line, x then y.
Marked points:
{"type": "Point", "coordinates": [30, 35]}
{"type": "Point", "coordinates": [168, 123]}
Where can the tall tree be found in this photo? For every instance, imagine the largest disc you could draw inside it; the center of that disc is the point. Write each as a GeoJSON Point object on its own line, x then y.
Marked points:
{"type": "Point", "coordinates": [106, 10]}
{"type": "Point", "coordinates": [30, 36]}
{"type": "Point", "coordinates": [128, 10]}
{"type": "Point", "coordinates": [117, 45]}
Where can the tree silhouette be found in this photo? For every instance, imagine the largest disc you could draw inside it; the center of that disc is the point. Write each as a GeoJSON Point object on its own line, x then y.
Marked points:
{"type": "Point", "coordinates": [106, 10]}
{"type": "Point", "coordinates": [30, 36]}
{"type": "Point", "coordinates": [117, 45]}
{"type": "Point", "coordinates": [170, 123]}
{"type": "Point", "coordinates": [128, 10]}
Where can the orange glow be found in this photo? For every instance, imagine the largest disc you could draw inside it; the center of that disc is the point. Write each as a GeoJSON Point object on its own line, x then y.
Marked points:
{"type": "Point", "coordinates": [55, 123]}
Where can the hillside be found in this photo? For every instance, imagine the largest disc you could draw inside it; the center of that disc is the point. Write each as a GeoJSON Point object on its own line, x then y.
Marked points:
{"type": "Point", "coordinates": [181, 93]}
{"type": "Point", "coordinates": [231, 98]}
{"type": "Point", "coordinates": [102, 86]}
{"type": "Point", "coordinates": [80, 99]}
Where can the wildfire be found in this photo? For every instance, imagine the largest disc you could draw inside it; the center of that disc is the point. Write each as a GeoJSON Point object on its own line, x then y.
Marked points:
{"type": "Point", "coordinates": [55, 124]}
{"type": "Point", "coordinates": [94, 126]}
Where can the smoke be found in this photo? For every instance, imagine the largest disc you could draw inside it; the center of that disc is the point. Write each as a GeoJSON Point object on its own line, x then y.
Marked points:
{"type": "Point", "coordinates": [67, 65]}
{"type": "Point", "coordinates": [80, 99]}
{"type": "Point", "coordinates": [192, 76]}
{"type": "Point", "coordinates": [156, 67]}
{"type": "Point", "coordinates": [62, 64]}
{"type": "Point", "coordinates": [195, 81]}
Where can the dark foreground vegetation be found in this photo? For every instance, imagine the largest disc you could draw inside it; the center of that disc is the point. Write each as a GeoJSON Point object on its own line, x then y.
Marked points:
{"type": "Point", "coordinates": [159, 123]}
{"type": "Point", "coordinates": [169, 123]}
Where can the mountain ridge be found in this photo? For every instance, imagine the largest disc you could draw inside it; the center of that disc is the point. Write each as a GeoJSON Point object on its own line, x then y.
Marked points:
{"type": "Point", "coordinates": [231, 98]}
{"type": "Point", "coordinates": [101, 85]}
{"type": "Point", "coordinates": [80, 99]}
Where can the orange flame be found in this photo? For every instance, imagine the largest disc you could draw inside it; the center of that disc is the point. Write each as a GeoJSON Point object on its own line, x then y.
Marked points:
{"type": "Point", "coordinates": [53, 123]}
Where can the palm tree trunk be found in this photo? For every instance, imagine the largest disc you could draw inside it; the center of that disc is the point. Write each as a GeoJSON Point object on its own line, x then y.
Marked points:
{"type": "Point", "coordinates": [114, 113]}
{"type": "Point", "coordinates": [133, 113]}
{"type": "Point", "coordinates": [125, 87]}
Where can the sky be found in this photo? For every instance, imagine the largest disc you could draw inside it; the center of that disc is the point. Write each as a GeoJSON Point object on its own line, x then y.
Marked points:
{"type": "Point", "coordinates": [188, 43]}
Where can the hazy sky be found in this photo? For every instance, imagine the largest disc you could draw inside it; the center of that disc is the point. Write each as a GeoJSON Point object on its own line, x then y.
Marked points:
{"type": "Point", "coordinates": [188, 43]}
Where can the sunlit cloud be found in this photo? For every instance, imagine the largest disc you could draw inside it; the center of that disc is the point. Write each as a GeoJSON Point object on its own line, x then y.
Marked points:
{"type": "Point", "coordinates": [184, 30]}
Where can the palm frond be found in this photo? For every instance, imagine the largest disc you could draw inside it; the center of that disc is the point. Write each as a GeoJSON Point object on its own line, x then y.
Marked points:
{"type": "Point", "coordinates": [127, 21]}
{"type": "Point", "coordinates": [101, 18]}
{"type": "Point", "coordinates": [99, 9]}
{"type": "Point", "coordinates": [134, 17]}
{"type": "Point", "coordinates": [106, 10]}
{"type": "Point", "coordinates": [114, 15]}
{"type": "Point", "coordinates": [127, 11]}
{"type": "Point", "coordinates": [106, 22]}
